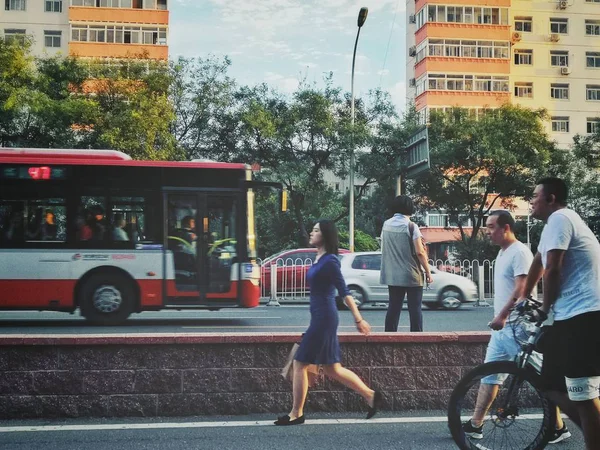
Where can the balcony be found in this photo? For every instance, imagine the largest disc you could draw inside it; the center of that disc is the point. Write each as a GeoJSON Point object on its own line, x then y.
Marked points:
{"type": "Point", "coordinates": [118, 15]}
{"type": "Point", "coordinates": [443, 64]}
{"type": "Point", "coordinates": [491, 3]}
{"type": "Point", "coordinates": [470, 31]}
{"type": "Point", "coordinates": [465, 99]}
{"type": "Point", "coordinates": [103, 50]}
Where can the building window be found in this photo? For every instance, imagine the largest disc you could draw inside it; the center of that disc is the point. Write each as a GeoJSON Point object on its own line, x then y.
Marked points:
{"type": "Point", "coordinates": [559, 59]}
{"type": "Point", "coordinates": [524, 90]}
{"type": "Point", "coordinates": [468, 83]}
{"type": "Point", "coordinates": [120, 35]}
{"type": "Point", "coordinates": [559, 91]}
{"type": "Point", "coordinates": [458, 14]}
{"type": "Point", "coordinates": [592, 1]}
{"type": "Point", "coordinates": [592, 59]}
{"type": "Point", "coordinates": [137, 4]}
{"type": "Point", "coordinates": [53, 6]}
{"type": "Point", "coordinates": [593, 125]}
{"type": "Point", "coordinates": [79, 34]}
{"type": "Point", "coordinates": [592, 92]}
{"type": "Point", "coordinates": [52, 38]}
{"type": "Point", "coordinates": [523, 57]}
{"type": "Point", "coordinates": [560, 26]}
{"type": "Point", "coordinates": [523, 24]}
{"type": "Point", "coordinates": [15, 5]}
{"type": "Point", "coordinates": [15, 35]}
{"type": "Point", "coordinates": [592, 27]}
{"type": "Point", "coordinates": [560, 124]}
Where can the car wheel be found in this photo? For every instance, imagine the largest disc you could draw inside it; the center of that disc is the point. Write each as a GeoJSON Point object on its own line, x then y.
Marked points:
{"type": "Point", "coordinates": [360, 298]}
{"type": "Point", "coordinates": [357, 293]}
{"type": "Point", "coordinates": [432, 305]}
{"type": "Point", "coordinates": [450, 298]}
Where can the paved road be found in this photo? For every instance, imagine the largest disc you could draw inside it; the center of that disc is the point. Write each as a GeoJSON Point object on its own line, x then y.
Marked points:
{"type": "Point", "coordinates": [417, 430]}
{"type": "Point", "coordinates": [287, 318]}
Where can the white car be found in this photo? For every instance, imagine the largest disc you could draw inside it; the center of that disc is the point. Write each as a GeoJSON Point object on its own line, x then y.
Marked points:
{"type": "Point", "coordinates": [361, 272]}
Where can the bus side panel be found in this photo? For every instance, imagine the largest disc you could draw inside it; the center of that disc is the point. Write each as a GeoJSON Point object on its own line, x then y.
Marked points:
{"type": "Point", "coordinates": [36, 294]}
{"type": "Point", "coordinates": [32, 279]}
{"type": "Point", "coordinates": [145, 267]}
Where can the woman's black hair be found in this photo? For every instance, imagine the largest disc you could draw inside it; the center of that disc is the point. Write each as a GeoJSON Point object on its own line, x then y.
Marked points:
{"type": "Point", "coordinates": [403, 204]}
{"type": "Point", "coordinates": [330, 236]}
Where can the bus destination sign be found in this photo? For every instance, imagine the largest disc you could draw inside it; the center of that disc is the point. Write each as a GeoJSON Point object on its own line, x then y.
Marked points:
{"type": "Point", "coordinates": [34, 173]}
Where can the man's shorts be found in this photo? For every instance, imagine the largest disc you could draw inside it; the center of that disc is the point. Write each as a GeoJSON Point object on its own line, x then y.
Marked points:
{"type": "Point", "coordinates": [502, 347]}
{"type": "Point", "coordinates": [571, 357]}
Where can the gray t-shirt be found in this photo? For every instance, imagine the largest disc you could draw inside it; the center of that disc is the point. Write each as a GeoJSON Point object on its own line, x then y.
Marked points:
{"type": "Point", "coordinates": [399, 267]}
{"type": "Point", "coordinates": [510, 263]}
{"type": "Point", "coordinates": [580, 274]}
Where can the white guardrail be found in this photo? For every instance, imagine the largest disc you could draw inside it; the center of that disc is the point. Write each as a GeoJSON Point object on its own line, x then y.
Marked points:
{"type": "Point", "coordinates": [285, 279]}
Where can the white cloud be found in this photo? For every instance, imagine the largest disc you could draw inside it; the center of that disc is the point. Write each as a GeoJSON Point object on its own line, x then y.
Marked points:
{"type": "Point", "coordinates": [287, 85]}
{"type": "Point", "coordinates": [398, 94]}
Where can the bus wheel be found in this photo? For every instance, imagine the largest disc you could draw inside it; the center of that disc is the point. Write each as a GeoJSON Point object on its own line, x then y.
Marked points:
{"type": "Point", "coordinates": [106, 299]}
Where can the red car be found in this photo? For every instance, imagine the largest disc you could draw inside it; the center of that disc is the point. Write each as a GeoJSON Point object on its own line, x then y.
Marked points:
{"type": "Point", "coordinates": [292, 266]}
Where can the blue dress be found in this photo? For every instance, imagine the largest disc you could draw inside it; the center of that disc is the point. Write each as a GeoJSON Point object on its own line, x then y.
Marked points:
{"type": "Point", "coordinates": [320, 342]}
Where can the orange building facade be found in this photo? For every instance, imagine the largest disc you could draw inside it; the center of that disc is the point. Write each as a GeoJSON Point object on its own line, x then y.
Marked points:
{"type": "Point", "coordinates": [98, 29]}
{"type": "Point", "coordinates": [480, 54]}
{"type": "Point", "coordinates": [119, 29]}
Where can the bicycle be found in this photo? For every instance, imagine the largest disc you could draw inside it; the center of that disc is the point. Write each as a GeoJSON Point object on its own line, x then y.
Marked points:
{"type": "Point", "coordinates": [520, 417]}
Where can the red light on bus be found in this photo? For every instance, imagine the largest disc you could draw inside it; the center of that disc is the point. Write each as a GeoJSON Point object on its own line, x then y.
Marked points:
{"type": "Point", "coordinates": [39, 173]}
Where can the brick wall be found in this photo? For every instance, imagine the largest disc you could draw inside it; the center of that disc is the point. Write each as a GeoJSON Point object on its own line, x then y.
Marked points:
{"type": "Point", "coordinates": [187, 375]}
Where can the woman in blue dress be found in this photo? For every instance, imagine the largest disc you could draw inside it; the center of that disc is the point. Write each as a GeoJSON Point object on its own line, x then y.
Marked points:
{"type": "Point", "coordinates": [320, 342]}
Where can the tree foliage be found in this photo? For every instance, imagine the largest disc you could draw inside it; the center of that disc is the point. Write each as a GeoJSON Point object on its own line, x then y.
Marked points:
{"type": "Point", "coordinates": [478, 165]}
{"type": "Point", "coordinates": [63, 102]}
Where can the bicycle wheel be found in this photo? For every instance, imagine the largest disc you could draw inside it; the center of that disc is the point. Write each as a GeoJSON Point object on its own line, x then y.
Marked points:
{"type": "Point", "coordinates": [520, 417]}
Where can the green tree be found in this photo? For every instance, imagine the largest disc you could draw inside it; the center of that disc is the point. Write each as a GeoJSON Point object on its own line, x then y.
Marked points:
{"type": "Point", "coordinates": [295, 139]}
{"type": "Point", "coordinates": [133, 111]}
{"type": "Point", "coordinates": [382, 164]}
{"type": "Point", "coordinates": [480, 165]}
{"type": "Point", "coordinates": [203, 95]}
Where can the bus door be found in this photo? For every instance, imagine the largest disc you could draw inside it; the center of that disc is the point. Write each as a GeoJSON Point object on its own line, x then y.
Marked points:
{"type": "Point", "coordinates": [201, 235]}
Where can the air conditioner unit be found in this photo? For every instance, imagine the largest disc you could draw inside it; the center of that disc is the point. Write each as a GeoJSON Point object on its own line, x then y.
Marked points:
{"type": "Point", "coordinates": [516, 36]}
{"type": "Point", "coordinates": [555, 37]}
{"type": "Point", "coordinates": [562, 4]}
{"type": "Point", "coordinates": [412, 19]}
{"type": "Point", "coordinates": [412, 82]}
{"type": "Point", "coordinates": [412, 51]}
{"type": "Point", "coordinates": [565, 70]}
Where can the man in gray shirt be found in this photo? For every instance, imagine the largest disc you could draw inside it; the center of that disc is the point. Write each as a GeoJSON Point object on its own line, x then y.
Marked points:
{"type": "Point", "coordinates": [402, 267]}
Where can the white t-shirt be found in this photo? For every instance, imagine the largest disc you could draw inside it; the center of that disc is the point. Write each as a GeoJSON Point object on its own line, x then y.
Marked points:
{"type": "Point", "coordinates": [580, 274]}
{"type": "Point", "coordinates": [510, 263]}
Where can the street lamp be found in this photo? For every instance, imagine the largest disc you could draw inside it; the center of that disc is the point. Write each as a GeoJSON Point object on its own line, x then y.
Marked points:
{"type": "Point", "coordinates": [362, 17]}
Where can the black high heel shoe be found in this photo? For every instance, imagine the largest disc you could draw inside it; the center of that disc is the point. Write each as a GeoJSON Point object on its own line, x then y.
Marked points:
{"type": "Point", "coordinates": [285, 420]}
{"type": "Point", "coordinates": [377, 400]}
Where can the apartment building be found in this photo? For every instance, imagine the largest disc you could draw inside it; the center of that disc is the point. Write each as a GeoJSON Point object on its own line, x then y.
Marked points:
{"type": "Point", "coordinates": [484, 53]}
{"type": "Point", "coordinates": [89, 28]}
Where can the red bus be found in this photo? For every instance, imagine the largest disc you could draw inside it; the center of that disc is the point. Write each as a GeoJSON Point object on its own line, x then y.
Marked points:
{"type": "Point", "coordinates": [98, 231]}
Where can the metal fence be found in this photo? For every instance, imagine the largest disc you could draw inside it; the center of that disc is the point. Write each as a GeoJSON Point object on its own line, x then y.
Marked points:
{"type": "Point", "coordinates": [285, 279]}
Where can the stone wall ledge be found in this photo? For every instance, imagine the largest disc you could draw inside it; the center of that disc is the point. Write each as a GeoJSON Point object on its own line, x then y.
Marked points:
{"type": "Point", "coordinates": [233, 338]}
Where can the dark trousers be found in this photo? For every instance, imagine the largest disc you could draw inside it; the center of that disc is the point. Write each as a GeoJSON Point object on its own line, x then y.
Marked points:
{"type": "Point", "coordinates": [415, 298]}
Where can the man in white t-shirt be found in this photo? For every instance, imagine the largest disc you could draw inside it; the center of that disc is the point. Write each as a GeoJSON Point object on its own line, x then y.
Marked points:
{"type": "Point", "coordinates": [568, 259]}
{"type": "Point", "coordinates": [512, 264]}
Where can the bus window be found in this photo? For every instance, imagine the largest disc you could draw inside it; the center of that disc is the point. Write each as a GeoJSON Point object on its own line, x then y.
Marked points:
{"type": "Point", "coordinates": [45, 220]}
{"type": "Point", "coordinates": [182, 237]}
{"type": "Point", "coordinates": [91, 219]}
{"type": "Point", "coordinates": [221, 242]}
{"type": "Point", "coordinates": [12, 230]}
{"type": "Point", "coordinates": [129, 221]}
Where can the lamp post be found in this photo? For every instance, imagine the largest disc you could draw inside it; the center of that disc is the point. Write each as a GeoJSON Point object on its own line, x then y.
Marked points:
{"type": "Point", "coordinates": [362, 17]}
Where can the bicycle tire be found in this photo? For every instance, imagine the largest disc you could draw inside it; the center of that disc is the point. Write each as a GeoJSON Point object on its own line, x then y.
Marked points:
{"type": "Point", "coordinates": [524, 421]}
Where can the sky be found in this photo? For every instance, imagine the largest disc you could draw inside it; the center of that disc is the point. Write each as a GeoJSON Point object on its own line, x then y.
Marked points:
{"type": "Point", "coordinates": [281, 42]}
